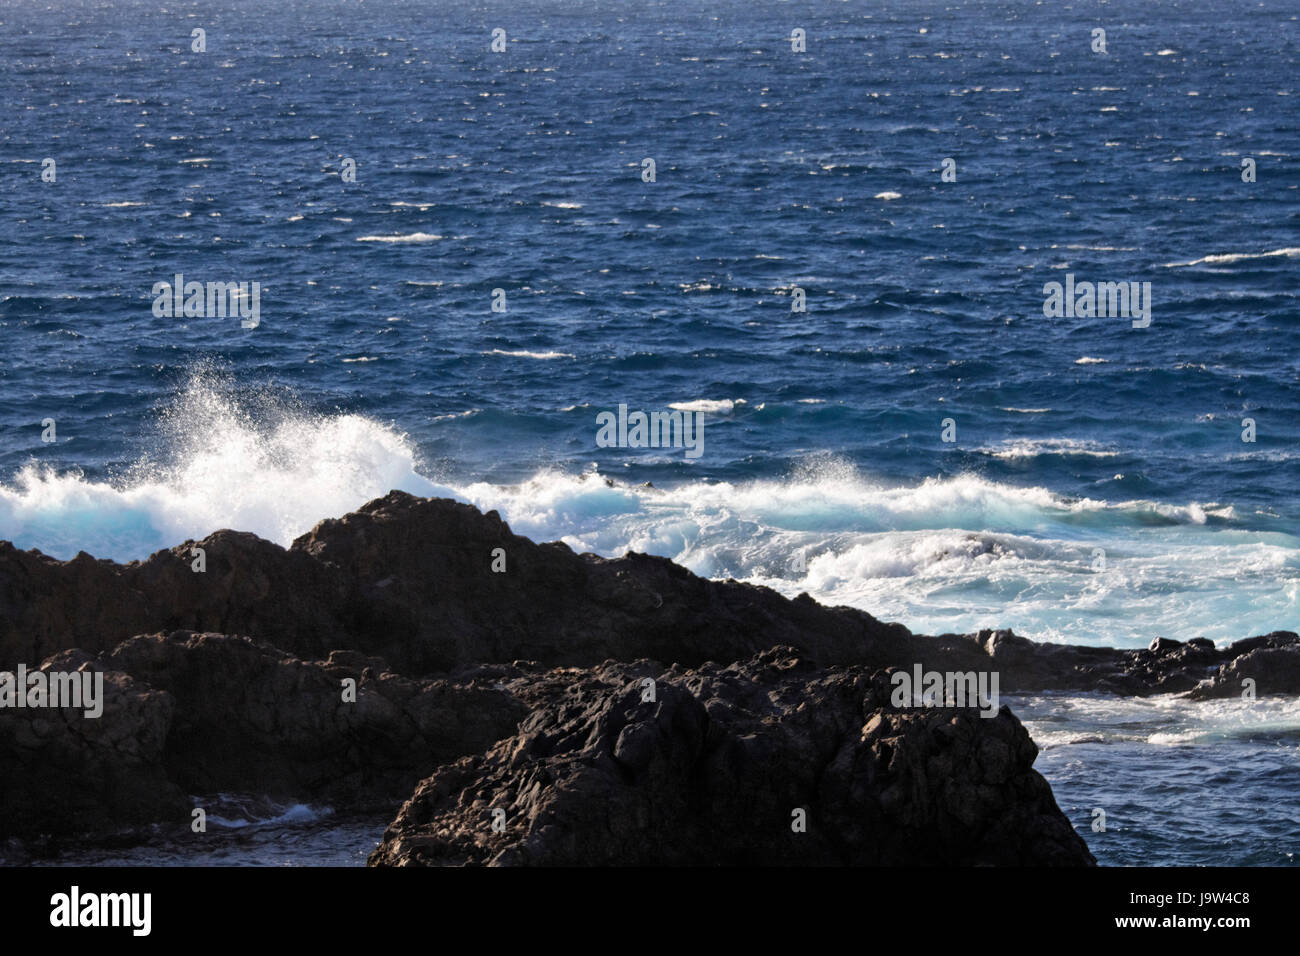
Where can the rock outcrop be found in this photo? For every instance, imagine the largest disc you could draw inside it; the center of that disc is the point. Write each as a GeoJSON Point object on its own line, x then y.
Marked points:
{"type": "Point", "coordinates": [1270, 663]}
{"type": "Point", "coordinates": [190, 713]}
{"type": "Point", "coordinates": [1166, 666]}
{"type": "Point", "coordinates": [770, 761]}
{"type": "Point", "coordinates": [503, 673]}
{"type": "Point", "coordinates": [61, 772]}
{"type": "Point", "coordinates": [411, 580]}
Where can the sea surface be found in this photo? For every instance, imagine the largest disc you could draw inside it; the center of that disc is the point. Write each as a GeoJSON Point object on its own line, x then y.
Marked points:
{"type": "Point", "coordinates": [1098, 490]}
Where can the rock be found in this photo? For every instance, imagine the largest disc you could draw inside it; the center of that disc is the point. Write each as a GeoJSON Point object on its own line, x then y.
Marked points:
{"type": "Point", "coordinates": [410, 580]}
{"type": "Point", "coordinates": [1274, 669]}
{"type": "Point", "coordinates": [716, 769]}
{"type": "Point", "coordinates": [65, 772]}
{"type": "Point", "coordinates": [525, 686]}
{"type": "Point", "coordinates": [194, 713]}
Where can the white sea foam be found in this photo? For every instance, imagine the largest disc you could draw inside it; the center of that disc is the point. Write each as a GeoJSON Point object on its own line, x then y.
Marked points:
{"type": "Point", "coordinates": [721, 406]}
{"type": "Point", "coordinates": [950, 554]}
{"type": "Point", "coordinates": [411, 237]}
{"type": "Point", "coordinates": [1020, 448]}
{"type": "Point", "coordinates": [238, 811]}
{"type": "Point", "coordinates": [524, 353]}
{"type": "Point", "coordinates": [1290, 252]}
{"type": "Point", "coordinates": [275, 475]}
{"type": "Point", "coordinates": [1165, 720]}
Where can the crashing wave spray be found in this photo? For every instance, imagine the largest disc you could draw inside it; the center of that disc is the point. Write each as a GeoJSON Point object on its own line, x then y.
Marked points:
{"type": "Point", "coordinates": [952, 554]}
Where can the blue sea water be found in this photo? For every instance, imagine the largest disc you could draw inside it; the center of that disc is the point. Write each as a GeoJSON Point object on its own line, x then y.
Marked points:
{"type": "Point", "coordinates": [1098, 490]}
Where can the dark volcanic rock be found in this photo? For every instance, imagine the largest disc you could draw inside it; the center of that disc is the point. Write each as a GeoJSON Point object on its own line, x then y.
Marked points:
{"type": "Point", "coordinates": [201, 713]}
{"type": "Point", "coordinates": [714, 770]}
{"type": "Point", "coordinates": [710, 772]}
{"type": "Point", "coordinates": [60, 770]}
{"type": "Point", "coordinates": [410, 580]}
{"type": "Point", "coordinates": [1271, 661]}
{"type": "Point", "coordinates": [253, 717]}
{"type": "Point", "coordinates": [1166, 666]}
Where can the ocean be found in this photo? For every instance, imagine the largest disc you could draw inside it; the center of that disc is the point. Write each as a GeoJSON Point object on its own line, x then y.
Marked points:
{"type": "Point", "coordinates": [461, 264]}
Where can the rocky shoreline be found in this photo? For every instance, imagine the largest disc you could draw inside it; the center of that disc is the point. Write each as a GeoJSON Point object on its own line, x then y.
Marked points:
{"type": "Point", "coordinates": [545, 707]}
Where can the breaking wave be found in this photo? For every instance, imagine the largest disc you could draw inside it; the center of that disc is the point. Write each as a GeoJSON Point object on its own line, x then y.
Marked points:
{"type": "Point", "coordinates": [951, 554]}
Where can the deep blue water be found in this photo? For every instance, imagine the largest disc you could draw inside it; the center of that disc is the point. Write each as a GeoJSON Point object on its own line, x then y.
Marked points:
{"type": "Point", "coordinates": [379, 363]}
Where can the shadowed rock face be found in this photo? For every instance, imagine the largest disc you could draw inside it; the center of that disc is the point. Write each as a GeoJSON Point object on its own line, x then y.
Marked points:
{"type": "Point", "coordinates": [61, 772]}
{"type": "Point", "coordinates": [202, 713]}
{"type": "Point", "coordinates": [512, 691]}
{"type": "Point", "coordinates": [410, 580]}
{"type": "Point", "coordinates": [717, 768]}
{"type": "Point", "coordinates": [1272, 662]}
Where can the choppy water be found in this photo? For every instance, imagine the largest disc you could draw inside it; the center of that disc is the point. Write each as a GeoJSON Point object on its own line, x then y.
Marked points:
{"type": "Point", "coordinates": [241, 830]}
{"type": "Point", "coordinates": [1210, 783]}
{"type": "Point", "coordinates": [379, 363]}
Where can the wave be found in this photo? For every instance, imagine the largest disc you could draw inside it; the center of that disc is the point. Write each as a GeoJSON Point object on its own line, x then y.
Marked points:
{"type": "Point", "coordinates": [945, 554]}
{"type": "Point", "coordinates": [524, 353]}
{"type": "Point", "coordinates": [1289, 252]}
{"type": "Point", "coordinates": [238, 811]}
{"type": "Point", "coordinates": [274, 471]}
{"type": "Point", "coordinates": [1165, 720]}
{"type": "Point", "coordinates": [721, 406]}
{"type": "Point", "coordinates": [1019, 448]}
{"type": "Point", "coordinates": [410, 237]}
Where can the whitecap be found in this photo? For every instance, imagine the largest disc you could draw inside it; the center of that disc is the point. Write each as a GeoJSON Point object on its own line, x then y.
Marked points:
{"type": "Point", "coordinates": [721, 406]}
{"type": "Point", "coordinates": [1289, 252]}
{"type": "Point", "coordinates": [524, 353]}
{"type": "Point", "coordinates": [411, 237]}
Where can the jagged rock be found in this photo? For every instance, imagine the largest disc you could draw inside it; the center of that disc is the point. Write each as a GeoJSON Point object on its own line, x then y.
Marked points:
{"type": "Point", "coordinates": [1273, 666]}
{"type": "Point", "coordinates": [1165, 666]}
{"type": "Point", "coordinates": [405, 586]}
{"type": "Point", "coordinates": [194, 713]}
{"type": "Point", "coordinates": [713, 770]}
{"type": "Point", "coordinates": [410, 580]}
{"type": "Point", "coordinates": [62, 771]}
